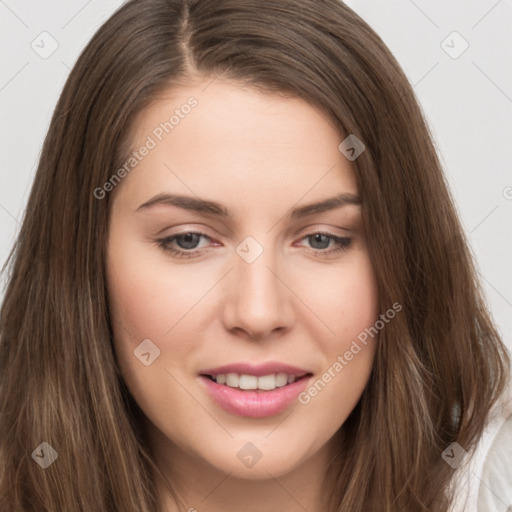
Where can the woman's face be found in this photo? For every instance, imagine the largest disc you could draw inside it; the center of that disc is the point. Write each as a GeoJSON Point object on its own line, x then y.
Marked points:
{"type": "Point", "coordinates": [247, 284]}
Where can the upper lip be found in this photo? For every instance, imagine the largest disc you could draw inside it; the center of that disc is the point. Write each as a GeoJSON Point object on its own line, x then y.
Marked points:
{"type": "Point", "coordinates": [257, 370]}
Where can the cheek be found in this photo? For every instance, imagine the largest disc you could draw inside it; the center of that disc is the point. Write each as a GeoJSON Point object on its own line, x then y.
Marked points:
{"type": "Point", "coordinates": [148, 301]}
{"type": "Point", "coordinates": [359, 302]}
{"type": "Point", "coordinates": [148, 296]}
{"type": "Point", "coordinates": [348, 305]}
{"type": "Point", "coordinates": [344, 298]}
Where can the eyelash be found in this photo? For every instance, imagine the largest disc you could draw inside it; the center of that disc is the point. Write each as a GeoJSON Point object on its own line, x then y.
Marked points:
{"type": "Point", "coordinates": [344, 243]}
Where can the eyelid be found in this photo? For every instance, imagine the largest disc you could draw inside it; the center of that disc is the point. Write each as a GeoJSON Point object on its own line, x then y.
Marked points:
{"type": "Point", "coordinates": [192, 228]}
{"type": "Point", "coordinates": [319, 227]}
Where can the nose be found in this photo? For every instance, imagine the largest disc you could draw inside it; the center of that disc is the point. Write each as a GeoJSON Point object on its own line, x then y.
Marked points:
{"type": "Point", "coordinates": [258, 301]}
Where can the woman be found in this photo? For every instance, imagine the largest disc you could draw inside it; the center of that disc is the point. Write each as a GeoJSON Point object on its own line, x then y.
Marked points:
{"type": "Point", "coordinates": [240, 281]}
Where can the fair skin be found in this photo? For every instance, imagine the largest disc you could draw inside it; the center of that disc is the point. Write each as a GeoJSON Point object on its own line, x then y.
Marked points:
{"type": "Point", "coordinates": [260, 155]}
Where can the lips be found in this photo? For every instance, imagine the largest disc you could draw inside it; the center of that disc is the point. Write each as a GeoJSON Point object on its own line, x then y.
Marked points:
{"type": "Point", "coordinates": [255, 391]}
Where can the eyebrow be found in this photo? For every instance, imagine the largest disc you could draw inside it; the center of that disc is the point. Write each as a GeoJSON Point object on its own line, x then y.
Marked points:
{"type": "Point", "coordinates": [219, 210]}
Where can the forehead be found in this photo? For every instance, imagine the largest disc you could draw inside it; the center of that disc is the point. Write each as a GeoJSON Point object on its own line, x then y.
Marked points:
{"type": "Point", "coordinates": [219, 137]}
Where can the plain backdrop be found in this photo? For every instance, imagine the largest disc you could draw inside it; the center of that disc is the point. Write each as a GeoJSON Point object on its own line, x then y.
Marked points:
{"type": "Point", "coordinates": [457, 56]}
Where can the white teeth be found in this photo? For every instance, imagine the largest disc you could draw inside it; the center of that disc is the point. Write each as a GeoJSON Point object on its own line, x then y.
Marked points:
{"type": "Point", "coordinates": [281, 379]}
{"type": "Point", "coordinates": [267, 382]}
{"type": "Point", "coordinates": [247, 382]}
{"type": "Point", "coordinates": [244, 381]}
{"type": "Point", "coordinates": [232, 380]}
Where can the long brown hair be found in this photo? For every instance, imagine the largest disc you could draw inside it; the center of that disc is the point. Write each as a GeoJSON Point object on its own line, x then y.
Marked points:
{"type": "Point", "coordinates": [440, 365]}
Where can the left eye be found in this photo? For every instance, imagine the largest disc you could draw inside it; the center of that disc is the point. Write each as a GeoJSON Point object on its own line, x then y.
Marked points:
{"type": "Point", "coordinates": [187, 243]}
{"type": "Point", "coordinates": [324, 239]}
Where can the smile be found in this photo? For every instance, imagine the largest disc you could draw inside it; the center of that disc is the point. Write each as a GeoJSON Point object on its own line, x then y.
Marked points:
{"type": "Point", "coordinates": [254, 391]}
{"type": "Point", "coordinates": [253, 382]}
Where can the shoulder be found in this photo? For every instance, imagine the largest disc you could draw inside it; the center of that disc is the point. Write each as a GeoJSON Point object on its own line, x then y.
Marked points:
{"type": "Point", "coordinates": [484, 482]}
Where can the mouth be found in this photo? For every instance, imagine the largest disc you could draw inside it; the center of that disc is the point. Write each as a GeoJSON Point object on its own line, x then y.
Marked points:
{"type": "Point", "coordinates": [254, 391]}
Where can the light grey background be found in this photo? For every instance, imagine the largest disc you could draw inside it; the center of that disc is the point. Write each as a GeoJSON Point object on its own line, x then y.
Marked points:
{"type": "Point", "coordinates": [466, 97]}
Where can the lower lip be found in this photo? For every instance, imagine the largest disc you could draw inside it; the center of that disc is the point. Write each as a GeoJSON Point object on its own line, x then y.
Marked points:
{"type": "Point", "coordinates": [254, 404]}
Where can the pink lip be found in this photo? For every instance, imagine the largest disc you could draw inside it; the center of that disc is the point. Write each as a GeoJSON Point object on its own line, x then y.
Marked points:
{"type": "Point", "coordinates": [254, 404]}
{"type": "Point", "coordinates": [257, 370]}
